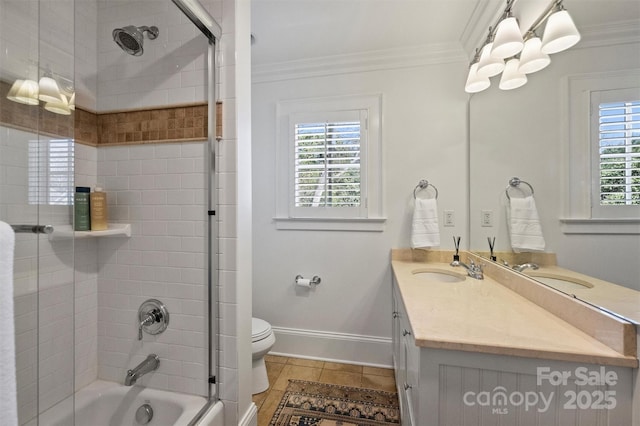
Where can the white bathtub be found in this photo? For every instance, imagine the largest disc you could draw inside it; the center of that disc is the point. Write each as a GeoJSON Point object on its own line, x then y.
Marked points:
{"type": "Point", "coordinates": [110, 404]}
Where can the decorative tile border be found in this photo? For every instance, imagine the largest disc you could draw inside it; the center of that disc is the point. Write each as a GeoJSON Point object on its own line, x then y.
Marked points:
{"type": "Point", "coordinates": [170, 124]}
{"type": "Point", "coordinates": [185, 123]}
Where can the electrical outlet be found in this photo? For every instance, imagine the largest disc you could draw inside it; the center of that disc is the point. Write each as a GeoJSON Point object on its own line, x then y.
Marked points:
{"type": "Point", "coordinates": [449, 218]}
{"type": "Point", "coordinates": [486, 218]}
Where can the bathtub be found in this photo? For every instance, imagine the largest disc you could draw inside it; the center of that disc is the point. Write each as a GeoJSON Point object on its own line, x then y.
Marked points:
{"type": "Point", "coordinates": [110, 404]}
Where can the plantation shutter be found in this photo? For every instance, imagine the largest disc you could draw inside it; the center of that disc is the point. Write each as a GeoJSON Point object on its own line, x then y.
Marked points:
{"type": "Point", "coordinates": [327, 164]}
{"type": "Point", "coordinates": [51, 172]}
{"type": "Point", "coordinates": [619, 153]}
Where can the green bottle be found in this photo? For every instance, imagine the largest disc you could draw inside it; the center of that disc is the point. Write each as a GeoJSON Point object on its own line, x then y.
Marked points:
{"type": "Point", "coordinates": [81, 218]}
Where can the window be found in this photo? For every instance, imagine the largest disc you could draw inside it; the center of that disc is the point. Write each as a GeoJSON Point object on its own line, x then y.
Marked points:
{"type": "Point", "coordinates": [603, 170]}
{"type": "Point", "coordinates": [329, 164]}
{"type": "Point", "coordinates": [619, 153]}
{"type": "Point", "coordinates": [51, 173]}
{"type": "Point", "coordinates": [615, 142]}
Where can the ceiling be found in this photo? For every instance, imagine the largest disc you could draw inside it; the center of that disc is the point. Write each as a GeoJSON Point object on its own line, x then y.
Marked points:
{"type": "Point", "coordinates": [292, 30]}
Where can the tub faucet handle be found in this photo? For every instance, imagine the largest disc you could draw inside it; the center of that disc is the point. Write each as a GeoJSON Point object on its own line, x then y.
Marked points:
{"type": "Point", "coordinates": [150, 318]}
{"type": "Point", "coordinates": [153, 317]}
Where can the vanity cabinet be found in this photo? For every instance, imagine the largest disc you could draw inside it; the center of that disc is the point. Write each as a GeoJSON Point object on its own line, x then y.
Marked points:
{"type": "Point", "coordinates": [405, 361]}
{"type": "Point", "coordinates": [442, 386]}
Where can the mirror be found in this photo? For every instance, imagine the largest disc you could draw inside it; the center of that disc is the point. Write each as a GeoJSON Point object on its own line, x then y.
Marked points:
{"type": "Point", "coordinates": [535, 133]}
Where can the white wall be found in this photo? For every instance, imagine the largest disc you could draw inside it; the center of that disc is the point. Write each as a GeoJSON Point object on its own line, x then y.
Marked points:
{"type": "Point", "coordinates": [523, 133]}
{"type": "Point", "coordinates": [423, 137]}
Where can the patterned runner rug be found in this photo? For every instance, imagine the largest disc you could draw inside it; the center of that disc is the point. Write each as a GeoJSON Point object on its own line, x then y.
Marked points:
{"type": "Point", "coordinates": [320, 404]}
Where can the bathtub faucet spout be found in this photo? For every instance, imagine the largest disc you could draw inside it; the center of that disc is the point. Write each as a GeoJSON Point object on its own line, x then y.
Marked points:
{"type": "Point", "coordinates": [151, 363]}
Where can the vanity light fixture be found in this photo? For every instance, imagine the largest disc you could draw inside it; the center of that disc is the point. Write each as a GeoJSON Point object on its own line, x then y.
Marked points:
{"type": "Point", "coordinates": [532, 58]}
{"type": "Point", "coordinates": [560, 33]}
{"type": "Point", "coordinates": [508, 39]}
{"type": "Point", "coordinates": [488, 65]}
{"type": "Point", "coordinates": [24, 92]}
{"type": "Point", "coordinates": [60, 106]}
{"type": "Point", "coordinates": [512, 77]}
{"type": "Point", "coordinates": [526, 55]}
{"type": "Point", "coordinates": [49, 90]}
{"type": "Point", "coordinates": [475, 81]}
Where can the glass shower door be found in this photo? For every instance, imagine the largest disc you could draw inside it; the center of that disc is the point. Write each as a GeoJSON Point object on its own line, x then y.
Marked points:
{"type": "Point", "coordinates": [36, 188]}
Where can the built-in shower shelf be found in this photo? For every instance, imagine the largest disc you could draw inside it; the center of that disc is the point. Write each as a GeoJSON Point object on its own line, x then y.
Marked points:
{"type": "Point", "coordinates": [114, 229]}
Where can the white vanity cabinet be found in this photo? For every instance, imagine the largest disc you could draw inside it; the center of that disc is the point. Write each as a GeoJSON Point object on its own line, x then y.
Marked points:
{"type": "Point", "coordinates": [405, 361]}
{"type": "Point", "coordinates": [442, 386]}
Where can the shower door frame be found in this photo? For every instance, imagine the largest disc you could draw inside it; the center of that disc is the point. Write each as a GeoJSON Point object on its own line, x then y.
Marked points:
{"type": "Point", "coordinates": [212, 30]}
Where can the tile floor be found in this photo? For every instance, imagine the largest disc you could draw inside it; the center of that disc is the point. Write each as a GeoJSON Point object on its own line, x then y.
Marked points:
{"type": "Point", "coordinates": [280, 369]}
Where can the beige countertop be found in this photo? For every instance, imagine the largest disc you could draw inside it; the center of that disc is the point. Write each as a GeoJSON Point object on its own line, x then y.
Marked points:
{"type": "Point", "coordinates": [614, 298]}
{"type": "Point", "coordinates": [485, 316]}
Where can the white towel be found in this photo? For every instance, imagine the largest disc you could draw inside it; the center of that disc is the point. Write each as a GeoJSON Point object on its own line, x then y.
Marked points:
{"type": "Point", "coordinates": [8, 401]}
{"type": "Point", "coordinates": [424, 230]}
{"type": "Point", "coordinates": [524, 225]}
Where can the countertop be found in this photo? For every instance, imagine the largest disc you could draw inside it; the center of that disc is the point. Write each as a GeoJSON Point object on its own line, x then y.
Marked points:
{"type": "Point", "coordinates": [485, 316]}
{"type": "Point", "coordinates": [614, 298]}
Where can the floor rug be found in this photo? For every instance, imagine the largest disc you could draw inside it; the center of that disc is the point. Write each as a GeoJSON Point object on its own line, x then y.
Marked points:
{"type": "Point", "coordinates": [320, 404]}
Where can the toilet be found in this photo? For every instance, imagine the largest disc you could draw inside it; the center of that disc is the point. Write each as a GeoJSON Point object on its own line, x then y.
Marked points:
{"type": "Point", "coordinates": [262, 340]}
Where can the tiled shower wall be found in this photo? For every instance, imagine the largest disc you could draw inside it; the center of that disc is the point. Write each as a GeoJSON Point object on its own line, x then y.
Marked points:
{"type": "Point", "coordinates": [160, 190]}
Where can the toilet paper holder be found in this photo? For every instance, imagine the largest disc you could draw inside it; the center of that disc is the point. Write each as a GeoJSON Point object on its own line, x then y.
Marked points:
{"type": "Point", "coordinates": [315, 280]}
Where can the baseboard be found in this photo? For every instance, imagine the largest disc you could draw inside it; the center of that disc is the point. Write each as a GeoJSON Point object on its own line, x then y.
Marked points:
{"type": "Point", "coordinates": [250, 417]}
{"type": "Point", "coordinates": [337, 347]}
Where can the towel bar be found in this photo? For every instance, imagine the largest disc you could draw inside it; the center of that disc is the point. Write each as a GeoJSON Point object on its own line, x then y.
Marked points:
{"type": "Point", "coordinates": [423, 184]}
{"type": "Point", "coordinates": [35, 229]}
{"type": "Point", "coordinates": [515, 182]}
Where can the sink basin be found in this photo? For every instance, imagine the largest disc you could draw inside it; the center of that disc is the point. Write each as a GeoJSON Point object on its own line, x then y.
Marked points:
{"type": "Point", "coordinates": [438, 275]}
{"type": "Point", "coordinates": [560, 282]}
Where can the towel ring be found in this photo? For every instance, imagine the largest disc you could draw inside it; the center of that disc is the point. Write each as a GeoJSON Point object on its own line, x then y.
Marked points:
{"type": "Point", "coordinates": [515, 182]}
{"type": "Point", "coordinates": [423, 184]}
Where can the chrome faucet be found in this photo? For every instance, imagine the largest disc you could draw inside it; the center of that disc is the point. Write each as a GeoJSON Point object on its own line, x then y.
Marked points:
{"type": "Point", "coordinates": [473, 270]}
{"type": "Point", "coordinates": [524, 266]}
{"type": "Point", "coordinates": [151, 363]}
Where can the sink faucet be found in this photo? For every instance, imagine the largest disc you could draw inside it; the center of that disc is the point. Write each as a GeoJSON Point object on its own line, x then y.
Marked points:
{"type": "Point", "coordinates": [473, 270]}
{"type": "Point", "coordinates": [524, 266]}
{"type": "Point", "coordinates": [151, 363]}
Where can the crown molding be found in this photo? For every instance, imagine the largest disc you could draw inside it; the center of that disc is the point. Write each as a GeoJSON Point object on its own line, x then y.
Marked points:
{"type": "Point", "coordinates": [408, 57]}
{"type": "Point", "coordinates": [485, 14]}
{"type": "Point", "coordinates": [621, 32]}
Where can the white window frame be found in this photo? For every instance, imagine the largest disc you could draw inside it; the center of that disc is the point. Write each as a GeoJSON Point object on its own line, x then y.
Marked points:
{"type": "Point", "coordinates": [369, 215]}
{"type": "Point", "coordinates": [582, 212]}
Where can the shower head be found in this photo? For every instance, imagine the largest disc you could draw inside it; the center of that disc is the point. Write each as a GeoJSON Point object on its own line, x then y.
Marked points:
{"type": "Point", "coordinates": [130, 38]}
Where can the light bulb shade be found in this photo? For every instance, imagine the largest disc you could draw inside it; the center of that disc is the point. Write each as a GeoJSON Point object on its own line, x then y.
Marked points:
{"type": "Point", "coordinates": [532, 59]}
{"type": "Point", "coordinates": [512, 78]}
{"type": "Point", "coordinates": [49, 90]}
{"type": "Point", "coordinates": [61, 106]}
{"type": "Point", "coordinates": [72, 102]}
{"type": "Point", "coordinates": [13, 91]}
{"type": "Point", "coordinates": [476, 83]}
{"type": "Point", "coordinates": [560, 33]}
{"type": "Point", "coordinates": [24, 92]}
{"type": "Point", "coordinates": [488, 66]}
{"type": "Point", "coordinates": [508, 39]}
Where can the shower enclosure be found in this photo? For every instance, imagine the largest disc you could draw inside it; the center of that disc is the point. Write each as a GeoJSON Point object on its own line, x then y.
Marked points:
{"type": "Point", "coordinates": [76, 295]}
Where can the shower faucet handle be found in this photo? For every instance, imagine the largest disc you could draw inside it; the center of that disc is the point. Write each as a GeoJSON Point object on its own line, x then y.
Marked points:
{"type": "Point", "coordinates": [153, 317]}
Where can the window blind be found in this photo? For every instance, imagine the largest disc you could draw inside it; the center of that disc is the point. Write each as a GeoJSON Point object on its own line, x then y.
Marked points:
{"type": "Point", "coordinates": [51, 172]}
{"type": "Point", "coordinates": [327, 164]}
{"type": "Point", "coordinates": [619, 148]}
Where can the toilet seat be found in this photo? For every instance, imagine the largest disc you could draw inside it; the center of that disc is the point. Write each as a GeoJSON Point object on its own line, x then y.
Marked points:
{"type": "Point", "coordinates": [260, 329]}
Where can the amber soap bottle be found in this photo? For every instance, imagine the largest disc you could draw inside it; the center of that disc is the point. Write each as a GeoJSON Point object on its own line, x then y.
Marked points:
{"type": "Point", "coordinates": [98, 206]}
